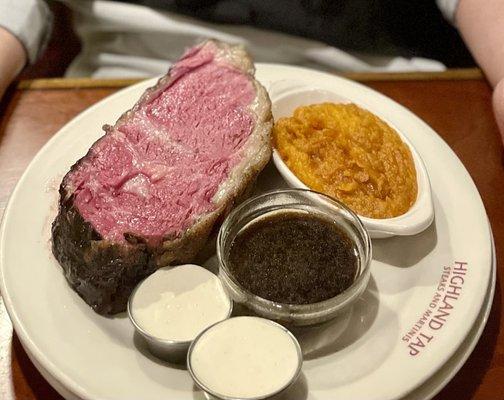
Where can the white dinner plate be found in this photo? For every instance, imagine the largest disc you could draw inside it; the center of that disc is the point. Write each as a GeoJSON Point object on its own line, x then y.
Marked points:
{"type": "Point", "coordinates": [427, 390]}
{"type": "Point", "coordinates": [440, 379]}
{"type": "Point", "coordinates": [397, 336]}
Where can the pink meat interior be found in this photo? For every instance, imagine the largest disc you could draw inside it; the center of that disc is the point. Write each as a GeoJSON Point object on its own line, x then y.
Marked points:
{"type": "Point", "coordinates": [154, 174]}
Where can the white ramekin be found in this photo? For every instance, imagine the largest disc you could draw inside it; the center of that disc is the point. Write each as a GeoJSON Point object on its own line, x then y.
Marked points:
{"type": "Point", "coordinates": [287, 95]}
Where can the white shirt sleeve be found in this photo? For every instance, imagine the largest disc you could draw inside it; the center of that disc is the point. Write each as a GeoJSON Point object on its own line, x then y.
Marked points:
{"type": "Point", "coordinates": [448, 8]}
{"type": "Point", "coordinates": [30, 21]}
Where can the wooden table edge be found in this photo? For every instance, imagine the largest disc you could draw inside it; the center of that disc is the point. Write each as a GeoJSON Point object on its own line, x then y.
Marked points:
{"type": "Point", "coordinates": [84, 83]}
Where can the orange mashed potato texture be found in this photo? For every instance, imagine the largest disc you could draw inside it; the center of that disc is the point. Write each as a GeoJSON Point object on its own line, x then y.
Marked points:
{"type": "Point", "coordinates": [350, 154]}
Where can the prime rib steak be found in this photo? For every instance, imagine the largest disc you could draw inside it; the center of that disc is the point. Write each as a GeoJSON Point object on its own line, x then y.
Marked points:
{"type": "Point", "coordinates": [150, 191]}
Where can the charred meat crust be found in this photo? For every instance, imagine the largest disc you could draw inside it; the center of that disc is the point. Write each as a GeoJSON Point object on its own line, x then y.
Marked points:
{"type": "Point", "coordinates": [104, 273]}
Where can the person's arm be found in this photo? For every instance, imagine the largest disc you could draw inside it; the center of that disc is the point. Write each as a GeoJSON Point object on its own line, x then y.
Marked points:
{"type": "Point", "coordinates": [481, 24]}
{"type": "Point", "coordinates": [25, 26]}
{"type": "Point", "coordinates": [12, 58]}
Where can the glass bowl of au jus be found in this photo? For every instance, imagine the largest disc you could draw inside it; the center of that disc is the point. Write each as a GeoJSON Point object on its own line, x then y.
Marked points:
{"type": "Point", "coordinates": [294, 256]}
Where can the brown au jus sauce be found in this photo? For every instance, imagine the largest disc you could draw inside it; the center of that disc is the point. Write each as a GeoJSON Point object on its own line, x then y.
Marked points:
{"type": "Point", "coordinates": [293, 257]}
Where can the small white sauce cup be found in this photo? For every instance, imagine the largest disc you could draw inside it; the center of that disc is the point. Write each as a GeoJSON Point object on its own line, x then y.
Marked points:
{"type": "Point", "coordinates": [287, 95]}
{"type": "Point", "coordinates": [174, 351]}
{"type": "Point", "coordinates": [212, 392]}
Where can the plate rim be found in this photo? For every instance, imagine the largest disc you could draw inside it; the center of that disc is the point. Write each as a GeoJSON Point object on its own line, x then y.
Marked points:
{"type": "Point", "coordinates": [17, 323]}
{"type": "Point", "coordinates": [474, 341]}
{"type": "Point", "coordinates": [431, 393]}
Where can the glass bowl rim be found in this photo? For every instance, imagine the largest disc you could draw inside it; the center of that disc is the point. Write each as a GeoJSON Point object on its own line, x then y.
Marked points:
{"type": "Point", "coordinates": [310, 307]}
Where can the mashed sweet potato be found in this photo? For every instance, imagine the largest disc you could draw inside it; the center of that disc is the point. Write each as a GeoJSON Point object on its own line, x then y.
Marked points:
{"type": "Point", "coordinates": [350, 154]}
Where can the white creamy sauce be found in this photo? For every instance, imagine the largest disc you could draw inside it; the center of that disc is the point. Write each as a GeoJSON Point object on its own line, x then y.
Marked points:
{"type": "Point", "coordinates": [245, 357]}
{"type": "Point", "coordinates": [177, 303]}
